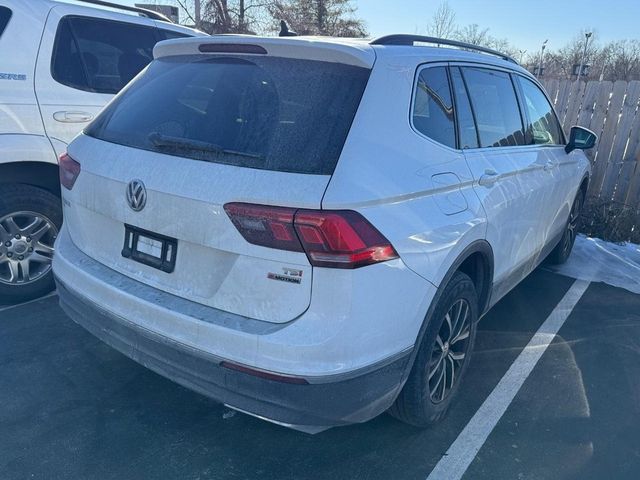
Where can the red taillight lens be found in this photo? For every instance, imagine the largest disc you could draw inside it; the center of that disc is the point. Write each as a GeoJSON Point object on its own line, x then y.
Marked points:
{"type": "Point", "coordinates": [266, 226]}
{"type": "Point", "coordinates": [341, 239]}
{"type": "Point", "coordinates": [69, 170]}
{"type": "Point", "coordinates": [335, 239]}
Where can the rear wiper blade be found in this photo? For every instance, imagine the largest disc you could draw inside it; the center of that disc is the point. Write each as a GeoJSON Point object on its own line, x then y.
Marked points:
{"type": "Point", "coordinates": [160, 140]}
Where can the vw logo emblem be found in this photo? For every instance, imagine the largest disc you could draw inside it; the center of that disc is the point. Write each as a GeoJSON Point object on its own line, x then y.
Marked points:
{"type": "Point", "coordinates": [136, 195]}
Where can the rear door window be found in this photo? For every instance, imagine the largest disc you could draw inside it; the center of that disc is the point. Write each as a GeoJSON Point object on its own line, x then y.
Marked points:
{"type": "Point", "coordinates": [433, 106]}
{"type": "Point", "coordinates": [98, 55]}
{"type": "Point", "coordinates": [289, 115]}
{"type": "Point", "coordinates": [543, 123]}
{"type": "Point", "coordinates": [5, 16]}
{"type": "Point", "coordinates": [495, 106]}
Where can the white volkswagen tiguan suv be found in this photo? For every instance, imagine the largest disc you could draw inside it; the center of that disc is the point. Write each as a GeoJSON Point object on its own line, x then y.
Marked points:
{"type": "Point", "coordinates": [308, 229]}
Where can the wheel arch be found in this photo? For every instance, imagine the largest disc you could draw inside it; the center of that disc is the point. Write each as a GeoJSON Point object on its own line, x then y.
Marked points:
{"type": "Point", "coordinates": [584, 185]}
{"type": "Point", "coordinates": [477, 261]}
{"type": "Point", "coordinates": [478, 255]}
{"type": "Point", "coordinates": [37, 174]}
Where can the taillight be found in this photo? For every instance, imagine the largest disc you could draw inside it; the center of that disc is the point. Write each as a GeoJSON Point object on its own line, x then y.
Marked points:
{"type": "Point", "coordinates": [341, 239]}
{"type": "Point", "coordinates": [69, 170]}
{"type": "Point", "coordinates": [266, 226]}
{"type": "Point", "coordinates": [330, 238]}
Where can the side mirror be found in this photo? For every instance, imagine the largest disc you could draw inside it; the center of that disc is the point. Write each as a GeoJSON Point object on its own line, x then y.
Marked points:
{"type": "Point", "coordinates": [580, 138]}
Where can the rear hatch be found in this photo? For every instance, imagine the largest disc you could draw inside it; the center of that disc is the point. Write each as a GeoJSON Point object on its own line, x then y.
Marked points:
{"type": "Point", "coordinates": [197, 132]}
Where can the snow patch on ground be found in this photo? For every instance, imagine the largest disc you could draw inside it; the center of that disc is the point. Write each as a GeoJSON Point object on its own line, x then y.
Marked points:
{"type": "Point", "coordinates": [599, 261]}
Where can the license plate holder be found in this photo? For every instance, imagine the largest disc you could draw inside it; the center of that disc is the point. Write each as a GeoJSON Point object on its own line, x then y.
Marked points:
{"type": "Point", "coordinates": [150, 248]}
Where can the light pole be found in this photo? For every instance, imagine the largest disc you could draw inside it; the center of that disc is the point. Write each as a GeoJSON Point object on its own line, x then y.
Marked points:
{"type": "Point", "coordinates": [522, 52]}
{"type": "Point", "coordinates": [587, 36]}
{"type": "Point", "coordinates": [544, 45]}
{"type": "Point", "coordinates": [196, 8]}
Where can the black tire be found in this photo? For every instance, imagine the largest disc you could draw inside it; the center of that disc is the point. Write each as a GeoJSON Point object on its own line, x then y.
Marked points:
{"type": "Point", "coordinates": [44, 205]}
{"type": "Point", "coordinates": [418, 404]}
{"type": "Point", "coordinates": [561, 252]}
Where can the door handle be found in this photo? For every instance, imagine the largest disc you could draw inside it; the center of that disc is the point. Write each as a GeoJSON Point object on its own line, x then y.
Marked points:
{"type": "Point", "coordinates": [72, 117]}
{"type": "Point", "coordinates": [549, 166]}
{"type": "Point", "coordinates": [489, 178]}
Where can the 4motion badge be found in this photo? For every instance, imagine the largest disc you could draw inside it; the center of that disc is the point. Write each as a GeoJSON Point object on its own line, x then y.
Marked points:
{"type": "Point", "coordinates": [289, 275]}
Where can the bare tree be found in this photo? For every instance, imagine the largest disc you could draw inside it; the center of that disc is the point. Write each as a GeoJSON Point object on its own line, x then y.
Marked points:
{"type": "Point", "coordinates": [227, 16]}
{"type": "Point", "coordinates": [560, 63]}
{"type": "Point", "coordinates": [443, 22]}
{"type": "Point", "coordinates": [620, 60]}
{"type": "Point", "coordinates": [319, 17]}
{"type": "Point", "coordinates": [473, 34]}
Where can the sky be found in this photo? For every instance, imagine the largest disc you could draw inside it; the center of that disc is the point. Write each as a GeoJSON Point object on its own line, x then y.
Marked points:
{"type": "Point", "coordinates": [525, 23]}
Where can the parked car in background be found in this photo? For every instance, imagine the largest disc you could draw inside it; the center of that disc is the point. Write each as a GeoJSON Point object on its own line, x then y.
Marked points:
{"type": "Point", "coordinates": [61, 63]}
{"type": "Point", "coordinates": [308, 229]}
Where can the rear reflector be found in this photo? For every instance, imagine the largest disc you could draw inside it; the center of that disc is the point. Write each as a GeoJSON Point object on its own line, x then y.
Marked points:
{"type": "Point", "coordinates": [330, 238]}
{"type": "Point", "coordinates": [267, 375]}
{"type": "Point", "coordinates": [68, 170]}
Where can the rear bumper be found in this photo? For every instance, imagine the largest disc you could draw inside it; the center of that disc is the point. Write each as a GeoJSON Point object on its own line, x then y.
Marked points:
{"type": "Point", "coordinates": [311, 407]}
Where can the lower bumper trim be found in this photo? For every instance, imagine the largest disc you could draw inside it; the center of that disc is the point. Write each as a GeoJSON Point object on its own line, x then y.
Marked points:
{"type": "Point", "coordinates": [307, 407]}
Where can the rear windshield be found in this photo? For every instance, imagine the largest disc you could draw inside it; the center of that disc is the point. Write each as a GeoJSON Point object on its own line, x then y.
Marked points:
{"type": "Point", "coordinates": [270, 113]}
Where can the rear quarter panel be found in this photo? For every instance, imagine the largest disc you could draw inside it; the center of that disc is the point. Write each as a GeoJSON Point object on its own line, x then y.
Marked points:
{"type": "Point", "coordinates": [417, 192]}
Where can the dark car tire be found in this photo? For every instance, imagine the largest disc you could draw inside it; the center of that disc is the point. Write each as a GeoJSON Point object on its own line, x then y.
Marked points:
{"type": "Point", "coordinates": [35, 203]}
{"type": "Point", "coordinates": [419, 402]}
{"type": "Point", "coordinates": [560, 254]}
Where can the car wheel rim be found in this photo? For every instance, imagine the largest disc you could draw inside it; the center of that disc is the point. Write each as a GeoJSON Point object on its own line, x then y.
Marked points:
{"type": "Point", "coordinates": [449, 351]}
{"type": "Point", "coordinates": [572, 226]}
{"type": "Point", "coordinates": [26, 247]}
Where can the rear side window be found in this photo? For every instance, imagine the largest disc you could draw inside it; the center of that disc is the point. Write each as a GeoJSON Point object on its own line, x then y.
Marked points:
{"type": "Point", "coordinates": [288, 115]}
{"type": "Point", "coordinates": [433, 107]}
{"type": "Point", "coordinates": [98, 55]}
{"type": "Point", "coordinates": [544, 126]}
{"type": "Point", "coordinates": [171, 34]}
{"type": "Point", "coordinates": [495, 105]}
{"type": "Point", "coordinates": [5, 16]}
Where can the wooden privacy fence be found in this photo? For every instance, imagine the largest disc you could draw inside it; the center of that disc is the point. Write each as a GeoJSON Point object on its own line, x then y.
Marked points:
{"type": "Point", "coordinates": [610, 109]}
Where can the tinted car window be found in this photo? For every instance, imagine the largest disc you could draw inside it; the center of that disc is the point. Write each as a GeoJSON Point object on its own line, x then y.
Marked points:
{"type": "Point", "coordinates": [271, 113]}
{"type": "Point", "coordinates": [495, 106]}
{"type": "Point", "coordinates": [100, 55]}
{"type": "Point", "coordinates": [466, 125]}
{"type": "Point", "coordinates": [5, 15]}
{"type": "Point", "coordinates": [544, 125]}
{"type": "Point", "coordinates": [433, 108]}
{"type": "Point", "coordinates": [170, 34]}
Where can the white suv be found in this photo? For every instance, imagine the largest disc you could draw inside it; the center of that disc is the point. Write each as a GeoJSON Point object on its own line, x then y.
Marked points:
{"type": "Point", "coordinates": [308, 229]}
{"type": "Point", "coordinates": [61, 63]}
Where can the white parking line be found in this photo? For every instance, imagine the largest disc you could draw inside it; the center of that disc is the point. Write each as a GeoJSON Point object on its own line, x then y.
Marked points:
{"type": "Point", "coordinates": [464, 449]}
{"type": "Point", "coordinates": [9, 307]}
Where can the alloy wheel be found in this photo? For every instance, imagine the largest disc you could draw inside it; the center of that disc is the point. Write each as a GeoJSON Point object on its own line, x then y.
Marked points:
{"type": "Point", "coordinates": [26, 247]}
{"type": "Point", "coordinates": [449, 351]}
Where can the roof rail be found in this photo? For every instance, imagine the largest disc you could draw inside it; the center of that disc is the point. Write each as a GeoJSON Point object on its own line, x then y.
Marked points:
{"type": "Point", "coordinates": [407, 39]}
{"type": "Point", "coordinates": [142, 11]}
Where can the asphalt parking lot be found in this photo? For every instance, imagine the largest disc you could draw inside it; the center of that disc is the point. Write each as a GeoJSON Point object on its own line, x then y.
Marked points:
{"type": "Point", "coordinates": [73, 408]}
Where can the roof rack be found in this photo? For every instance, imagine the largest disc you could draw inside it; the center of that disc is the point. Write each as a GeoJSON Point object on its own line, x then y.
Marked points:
{"type": "Point", "coordinates": [142, 11]}
{"type": "Point", "coordinates": [407, 39]}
